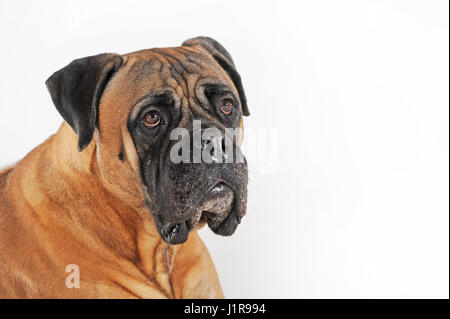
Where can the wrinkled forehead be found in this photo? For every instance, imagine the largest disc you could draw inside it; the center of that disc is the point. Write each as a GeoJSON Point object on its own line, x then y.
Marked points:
{"type": "Point", "coordinates": [180, 70]}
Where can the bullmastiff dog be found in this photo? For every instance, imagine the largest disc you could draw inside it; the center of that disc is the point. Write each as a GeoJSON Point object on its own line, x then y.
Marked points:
{"type": "Point", "coordinates": [102, 201]}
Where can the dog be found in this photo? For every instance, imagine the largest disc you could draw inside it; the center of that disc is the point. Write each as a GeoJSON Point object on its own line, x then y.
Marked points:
{"type": "Point", "coordinates": [99, 210]}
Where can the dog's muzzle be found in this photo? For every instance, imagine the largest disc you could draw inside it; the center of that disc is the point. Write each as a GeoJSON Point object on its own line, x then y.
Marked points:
{"type": "Point", "coordinates": [215, 193]}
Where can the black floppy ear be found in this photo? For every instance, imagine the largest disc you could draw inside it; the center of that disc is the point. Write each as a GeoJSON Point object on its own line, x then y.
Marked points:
{"type": "Point", "coordinates": [226, 62]}
{"type": "Point", "coordinates": [76, 90]}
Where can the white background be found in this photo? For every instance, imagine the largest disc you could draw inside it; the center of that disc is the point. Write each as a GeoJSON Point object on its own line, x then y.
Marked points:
{"type": "Point", "coordinates": [349, 198]}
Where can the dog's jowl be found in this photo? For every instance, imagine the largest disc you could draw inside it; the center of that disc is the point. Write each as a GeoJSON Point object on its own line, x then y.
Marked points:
{"type": "Point", "coordinates": [143, 159]}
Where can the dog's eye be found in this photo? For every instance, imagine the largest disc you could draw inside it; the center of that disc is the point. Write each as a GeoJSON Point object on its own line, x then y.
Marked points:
{"type": "Point", "coordinates": [226, 106]}
{"type": "Point", "coordinates": [152, 118]}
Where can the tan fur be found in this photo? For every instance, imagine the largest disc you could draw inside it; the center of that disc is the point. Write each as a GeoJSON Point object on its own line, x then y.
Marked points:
{"type": "Point", "coordinates": [59, 207]}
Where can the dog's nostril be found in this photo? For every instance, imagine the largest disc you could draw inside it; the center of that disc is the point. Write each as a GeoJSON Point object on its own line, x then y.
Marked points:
{"type": "Point", "coordinates": [209, 142]}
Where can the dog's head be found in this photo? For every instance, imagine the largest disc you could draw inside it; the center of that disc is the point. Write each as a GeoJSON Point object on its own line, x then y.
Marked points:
{"type": "Point", "coordinates": [161, 121]}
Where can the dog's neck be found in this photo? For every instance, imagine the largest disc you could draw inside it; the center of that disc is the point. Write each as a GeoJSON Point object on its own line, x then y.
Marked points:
{"type": "Point", "coordinates": [84, 166]}
{"type": "Point", "coordinates": [121, 231]}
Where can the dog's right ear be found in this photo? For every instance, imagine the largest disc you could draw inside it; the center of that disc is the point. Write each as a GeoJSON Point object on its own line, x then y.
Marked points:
{"type": "Point", "coordinates": [76, 90]}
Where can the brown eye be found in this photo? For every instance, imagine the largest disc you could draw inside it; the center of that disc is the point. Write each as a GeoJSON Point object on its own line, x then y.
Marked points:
{"type": "Point", "coordinates": [152, 119]}
{"type": "Point", "coordinates": [226, 106]}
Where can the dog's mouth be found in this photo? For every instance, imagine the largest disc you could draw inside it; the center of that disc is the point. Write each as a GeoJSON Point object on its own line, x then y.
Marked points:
{"type": "Point", "coordinates": [215, 209]}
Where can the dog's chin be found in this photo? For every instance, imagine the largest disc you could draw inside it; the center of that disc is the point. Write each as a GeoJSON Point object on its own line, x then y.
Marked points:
{"type": "Point", "coordinates": [216, 209]}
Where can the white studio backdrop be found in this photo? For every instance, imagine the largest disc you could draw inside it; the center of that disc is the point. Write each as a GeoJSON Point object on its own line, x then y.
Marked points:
{"type": "Point", "coordinates": [348, 193]}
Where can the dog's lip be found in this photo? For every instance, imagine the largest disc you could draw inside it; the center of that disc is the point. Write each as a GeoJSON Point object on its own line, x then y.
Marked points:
{"type": "Point", "coordinates": [175, 233]}
{"type": "Point", "coordinates": [214, 193]}
{"type": "Point", "coordinates": [194, 220]}
{"type": "Point", "coordinates": [219, 190]}
{"type": "Point", "coordinates": [219, 187]}
{"type": "Point", "coordinates": [220, 182]}
{"type": "Point", "coordinates": [214, 208]}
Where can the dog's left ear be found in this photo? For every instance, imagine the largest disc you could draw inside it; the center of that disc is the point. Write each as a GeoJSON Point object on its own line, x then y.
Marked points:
{"type": "Point", "coordinates": [76, 90]}
{"type": "Point", "coordinates": [222, 57]}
